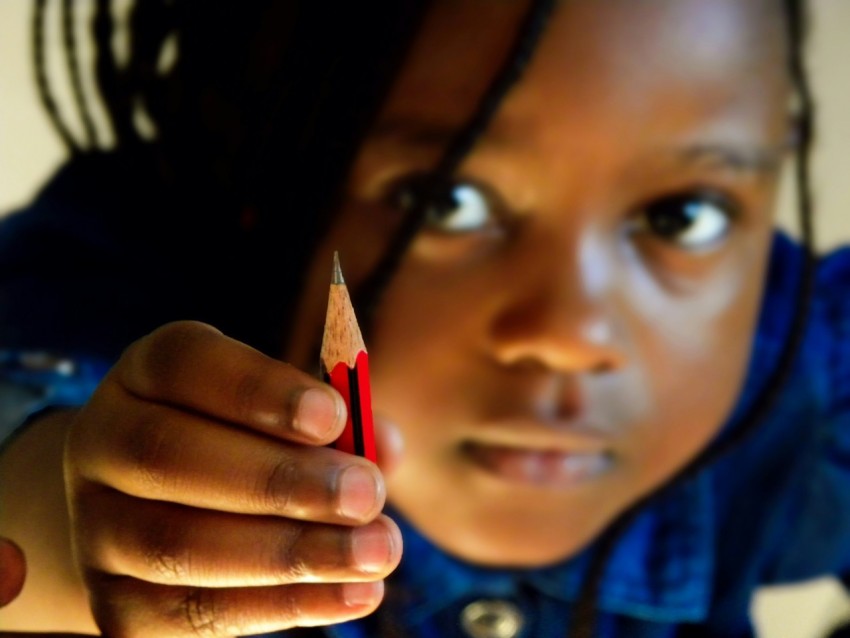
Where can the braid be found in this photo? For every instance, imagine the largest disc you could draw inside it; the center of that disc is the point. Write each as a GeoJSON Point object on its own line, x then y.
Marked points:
{"type": "Point", "coordinates": [368, 297]}
{"type": "Point", "coordinates": [149, 26]}
{"type": "Point", "coordinates": [529, 34]}
{"type": "Point", "coordinates": [42, 82]}
{"type": "Point", "coordinates": [316, 104]}
{"type": "Point", "coordinates": [795, 18]}
{"type": "Point", "coordinates": [74, 71]}
{"type": "Point", "coordinates": [109, 81]}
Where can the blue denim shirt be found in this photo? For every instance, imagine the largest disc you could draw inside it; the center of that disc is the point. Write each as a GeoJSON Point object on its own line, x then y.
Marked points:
{"type": "Point", "coordinates": [776, 509]}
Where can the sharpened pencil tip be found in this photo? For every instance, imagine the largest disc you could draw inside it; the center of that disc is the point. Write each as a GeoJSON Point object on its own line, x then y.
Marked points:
{"type": "Point", "coordinates": [336, 278]}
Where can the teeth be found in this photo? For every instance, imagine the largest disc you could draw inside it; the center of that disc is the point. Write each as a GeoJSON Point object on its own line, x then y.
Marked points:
{"type": "Point", "coordinates": [578, 466]}
{"type": "Point", "coordinates": [528, 466]}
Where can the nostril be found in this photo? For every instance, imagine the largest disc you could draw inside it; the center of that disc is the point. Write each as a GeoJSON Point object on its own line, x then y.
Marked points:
{"type": "Point", "coordinates": [528, 365]}
{"type": "Point", "coordinates": [603, 367]}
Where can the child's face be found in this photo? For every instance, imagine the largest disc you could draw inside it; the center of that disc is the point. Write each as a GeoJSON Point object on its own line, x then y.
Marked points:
{"type": "Point", "coordinates": [578, 328]}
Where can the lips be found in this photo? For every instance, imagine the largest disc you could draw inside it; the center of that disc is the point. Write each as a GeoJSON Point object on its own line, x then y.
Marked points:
{"type": "Point", "coordinates": [533, 453]}
{"type": "Point", "coordinates": [552, 468]}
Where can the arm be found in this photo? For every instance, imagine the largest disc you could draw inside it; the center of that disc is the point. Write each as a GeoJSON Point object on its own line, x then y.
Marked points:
{"type": "Point", "coordinates": [32, 499]}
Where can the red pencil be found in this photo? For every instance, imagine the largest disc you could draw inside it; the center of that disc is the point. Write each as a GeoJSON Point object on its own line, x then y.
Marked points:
{"type": "Point", "coordinates": [345, 366]}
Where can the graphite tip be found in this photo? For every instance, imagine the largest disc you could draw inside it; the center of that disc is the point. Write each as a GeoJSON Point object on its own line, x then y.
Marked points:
{"type": "Point", "coordinates": [336, 278]}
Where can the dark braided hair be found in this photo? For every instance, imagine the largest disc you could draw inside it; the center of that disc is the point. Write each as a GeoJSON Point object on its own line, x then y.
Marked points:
{"type": "Point", "coordinates": [296, 106]}
{"type": "Point", "coordinates": [256, 124]}
{"type": "Point", "coordinates": [44, 92]}
{"type": "Point", "coordinates": [70, 41]}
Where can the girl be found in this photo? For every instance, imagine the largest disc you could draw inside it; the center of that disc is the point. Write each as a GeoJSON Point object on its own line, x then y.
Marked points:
{"type": "Point", "coordinates": [558, 221]}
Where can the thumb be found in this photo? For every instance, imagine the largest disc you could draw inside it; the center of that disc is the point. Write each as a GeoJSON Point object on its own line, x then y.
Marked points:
{"type": "Point", "coordinates": [13, 571]}
{"type": "Point", "coordinates": [389, 444]}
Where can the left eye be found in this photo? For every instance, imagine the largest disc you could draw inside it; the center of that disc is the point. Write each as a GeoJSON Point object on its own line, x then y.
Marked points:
{"type": "Point", "coordinates": [457, 207]}
{"type": "Point", "coordinates": [692, 221]}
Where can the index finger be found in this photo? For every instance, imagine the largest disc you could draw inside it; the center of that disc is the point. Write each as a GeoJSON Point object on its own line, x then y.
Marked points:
{"type": "Point", "coordinates": [192, 365]}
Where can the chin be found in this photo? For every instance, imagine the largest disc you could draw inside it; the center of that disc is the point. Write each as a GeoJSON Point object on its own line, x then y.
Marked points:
{"type": "Point", "coordinates": [506, 548]}
{"type": "Point", "coordinates": [504, 539]}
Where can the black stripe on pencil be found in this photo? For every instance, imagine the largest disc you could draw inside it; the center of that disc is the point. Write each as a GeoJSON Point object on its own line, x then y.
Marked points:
{"type": "Point", "coordinates": [345, 366]}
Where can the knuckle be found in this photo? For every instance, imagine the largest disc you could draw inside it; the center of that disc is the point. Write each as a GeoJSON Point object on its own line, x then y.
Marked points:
{"type": "Point", "coordinates": [289, 606]}
{"type": "Point", "coordinates": [163, 553]}
{"type": "Point", "coordinates": [154, 363]}
{"type": "Point", "coordinates": [281, 483]}
{"type": "Point", "coordinates": [166, 566]}
{"type": "Point", "coordinates": [203, 612]}
{"type": "Point", "coordinates": [246, 393]}
{"type": "Point", "coordinates": [149, 455]}
{"type": "Point", "coordinates": [290, 564]}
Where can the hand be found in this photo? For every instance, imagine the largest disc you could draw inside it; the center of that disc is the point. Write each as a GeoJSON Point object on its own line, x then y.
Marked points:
{"type": "Point", "coordinates": [203, 501]}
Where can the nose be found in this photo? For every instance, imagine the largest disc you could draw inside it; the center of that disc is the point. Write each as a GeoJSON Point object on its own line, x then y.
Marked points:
{"type": "Point", "coordinates": [556, 312]}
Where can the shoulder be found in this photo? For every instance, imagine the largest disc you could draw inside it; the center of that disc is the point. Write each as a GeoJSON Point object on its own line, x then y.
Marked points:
{"type": "Point", "coordinates": [825, 354]}
{"type": "Point", "coordinates": [80, 268]}
{"type": "Point", "coordinates": [822, 372]}
{"type": "Point", "coordinates": [91, 203]}
{"type": "Point", "coordinates": [831, 324]}
{"type": "Point", "coordinates": [783, 495]}
{"type": "Point", "coordinates": [786, 262]}
{"type": "Point", "coordinates": [832, 289]}
{"type": "Point", "coordinates": [835, 266]}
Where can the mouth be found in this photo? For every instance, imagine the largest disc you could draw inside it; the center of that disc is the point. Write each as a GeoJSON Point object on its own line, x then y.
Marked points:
{"type": "Point", "coordinates": [545, 468]}
{"type": "Point", "coordinates": [526, 453]}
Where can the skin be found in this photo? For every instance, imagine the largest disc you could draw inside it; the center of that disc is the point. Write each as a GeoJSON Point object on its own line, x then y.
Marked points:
{"type": "Point", "coordinates": [554, 329]}
{"type": "Point", "coordinates": [13, 570]}
{"type": "Point", "coordinates": [559, 329]}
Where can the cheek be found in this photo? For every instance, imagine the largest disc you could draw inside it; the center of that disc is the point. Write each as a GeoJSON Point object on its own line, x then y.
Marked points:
{"type": "Point", "coordinates": [692, 354]}
{"type": "Point", "coordinates": [424, 348]}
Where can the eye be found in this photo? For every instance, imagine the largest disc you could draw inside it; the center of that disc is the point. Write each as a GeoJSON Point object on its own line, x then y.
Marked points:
{"type": "Point", "coordinates": [690, 220]}
{"type": "Point", "coordinates": [454, 207]}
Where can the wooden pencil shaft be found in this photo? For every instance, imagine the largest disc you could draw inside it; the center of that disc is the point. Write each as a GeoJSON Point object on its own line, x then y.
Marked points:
{"type": "Point", "coordinates": [342, 339]}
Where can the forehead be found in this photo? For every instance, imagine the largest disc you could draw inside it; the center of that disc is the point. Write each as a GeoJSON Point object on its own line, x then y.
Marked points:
{"type": "Point", "coordinates": [598, 60]}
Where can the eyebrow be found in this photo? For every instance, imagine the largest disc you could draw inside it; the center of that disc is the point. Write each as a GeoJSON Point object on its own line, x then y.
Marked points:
{"type": "Point", "coordinates": [754, 160]}
{"type": "Point", "coordinates": [757, 160]}
{"type": "Point", "coordinates": [423, 133]}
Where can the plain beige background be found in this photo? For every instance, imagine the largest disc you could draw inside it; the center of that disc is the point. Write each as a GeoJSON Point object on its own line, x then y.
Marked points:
{"type": "Point", "coordinates": [30, 151]}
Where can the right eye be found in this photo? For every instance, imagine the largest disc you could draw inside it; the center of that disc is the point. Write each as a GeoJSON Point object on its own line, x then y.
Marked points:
{"type": "Point", "coordinates": [453, 208]}
{"type": "Point", "coordinates": [690, 220]}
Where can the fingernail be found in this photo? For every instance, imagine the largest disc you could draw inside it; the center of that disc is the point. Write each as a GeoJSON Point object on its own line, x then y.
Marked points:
{"type": "Point", "coordinates": [370, 548]}
{"type": "Point", "coordinates": [361, 594]}
{"type": "Point", "coordinates": [317, 413]}
{"type": "Point", "coordinates": [357, 492]}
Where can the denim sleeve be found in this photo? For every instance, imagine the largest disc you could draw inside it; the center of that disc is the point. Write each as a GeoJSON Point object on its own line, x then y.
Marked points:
{"type": "Point", "coordinates": [33, 381]}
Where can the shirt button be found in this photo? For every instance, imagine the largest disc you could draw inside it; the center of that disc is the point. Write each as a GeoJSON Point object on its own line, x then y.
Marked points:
{"type": "Point", "coordinates": [491, 619]}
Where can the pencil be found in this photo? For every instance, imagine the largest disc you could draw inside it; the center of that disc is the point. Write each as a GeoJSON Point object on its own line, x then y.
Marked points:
{"type": "Point", "coordinates": [345, 366]}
